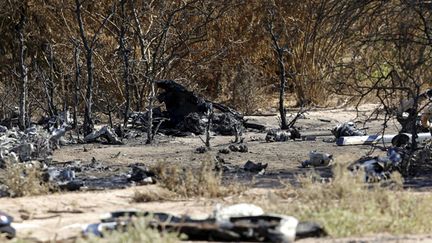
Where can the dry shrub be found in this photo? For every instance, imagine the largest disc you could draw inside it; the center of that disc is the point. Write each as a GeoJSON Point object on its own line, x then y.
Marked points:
{"type": "Point", "coordinates": [150, 196]}
{"type": "Point", "coordinates": [24, 179]}
{"type": "Point", "coordinates": [346, 206]}
{"type": "Point", "coordinates": [247, 91]}
{"type": "Point", "coordinates": [187, 182]}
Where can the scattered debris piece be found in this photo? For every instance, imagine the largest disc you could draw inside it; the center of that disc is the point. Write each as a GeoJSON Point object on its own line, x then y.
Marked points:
{"type": "Point", "coordinates": [409, 118]}
{"type": "Point", "coordinates": [329, 140]}
{"type": "Point", "coordinates": [5, 225]}
{"type": "Point", "coordinates": [255, 167]}
{"type": "Point", "coordinates": [222, 165]}
{"type": "Point", "coordinates": [347, 129]}
{"type": "Point", "coordinates": [278, 135]}
{"type": "Point", "coordinates": [309, 138]}
{"type": "Point", "coordinates": [318, 159]}
{"type": "Point", "coordinates": [187, 111]}
{"type": "Point", "coordinates": [74, 175]}
{"type": "Point", "coordinates": [34, 143]}
{"type": "Point", "coordinates": [105, 132]}
{"type": "Point", "coordinates": [179, 101]}
{"type": "Point", "coordinates": [242, 148]}
{"type": "Point", "coordinates": [377, 168]}
{"type": "Point", "coordinates": [233, 148]}
{"type": "Point", "coordinates": [241, 222]}
{"type": "Point", "coordinates": [224, 151]}
{"type": "Point", "coordinates": [254, 126]}
{"type": "Point", "coordinates": [376, 139]}
{"type": "Point", "coordinates": [3, 129]}
{"type": "Point", "coordinates": [221, 213]}
{"type": "Point", "coordinates": [140, 119]}
{"type": "Point", "coordinates": [324, 120]}
{"type": "Point", "coordinates": [201, 150]}
{"type": "Point", "coordinates": [226, 124]}
{"type": "Point", "coordinates": [141, 174]}
{"type": "Point", "coordinates": [63, 178]}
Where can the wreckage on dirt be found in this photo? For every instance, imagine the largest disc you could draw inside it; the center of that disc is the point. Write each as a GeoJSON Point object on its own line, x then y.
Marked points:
{"type": "Point", "coordinates": [240, 222]}
{"type": "Point", "coordinates": [186, 113]}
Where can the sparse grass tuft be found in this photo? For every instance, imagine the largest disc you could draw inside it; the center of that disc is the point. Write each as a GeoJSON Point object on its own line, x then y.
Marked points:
{"type": "Point", "coordinates": [24, 179]}
{"type": "Point", "coordinates": [188, 182]}
{"type": "Point", "coordinates": [347, 206]}
{"type": "Point", "coordinates": [150, 196]}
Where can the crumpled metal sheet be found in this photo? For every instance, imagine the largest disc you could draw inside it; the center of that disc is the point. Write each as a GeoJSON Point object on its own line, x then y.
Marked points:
{"type": "Point", "coordinates": [347, 129]}
{"type": "Point", "coordinates": [278, 135]}
{"type": "Point", "coordinates": [241, 222]}
{"type": "Point", "coordinates": [377, 168]}
{"type": "Point", "coordinates": [106, 133]}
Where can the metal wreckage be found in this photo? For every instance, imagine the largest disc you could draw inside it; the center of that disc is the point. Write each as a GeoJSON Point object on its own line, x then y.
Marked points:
{"type": "Point", "coordinates": [186, 113]}
{"type": "Point", "coordinates": [240, 222]}
{"type": "Point", "coordinates": [407, 154]}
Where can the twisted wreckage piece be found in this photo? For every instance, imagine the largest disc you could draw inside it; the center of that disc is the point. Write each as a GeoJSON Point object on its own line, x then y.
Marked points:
{"type": "Point", "coordinates": [377, 139]}
{"type": "Point", "coordinates": [105, 132]}
{"type": "Point", "coordinates": [187, 111]}
{"type": "Point", "coordinates": [378, 168]}
{"type": "Point", "coordinates": [5, 225]}
{"type": "Point", "coordinates": [241, 222]}
{"type": "Point", "coordinates": [34, 143]}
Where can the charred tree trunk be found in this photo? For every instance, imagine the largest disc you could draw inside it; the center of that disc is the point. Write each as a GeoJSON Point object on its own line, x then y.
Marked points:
{"type": "Point", "coordinates": [279, 51]}
{"type": "Point", "coordinates": [77, 86]}
{"type": "Point", "coordinates": [150, 112]}
{"type": "Point", "coordinates": [89, 48]}
{"type": "Point", "coordinates": [23, 73]}
{"type": "Point", "coordinates": [88, 119]}
{"type": "Point", "coordinates": [50, 101]}
{"type": "Point", "coordinates": [150, 77]}
{"type": "Point", "coordinates": [209, 125]}
{"type": "Point", "coordinates": [282, 89]}
{"type": "Point", "coordinates": [125, 55]}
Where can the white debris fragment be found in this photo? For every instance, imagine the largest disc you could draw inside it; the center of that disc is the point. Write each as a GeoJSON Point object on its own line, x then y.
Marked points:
{"type": "Point", "coordinates": [236, 210]}
{"type": "Point", "coordinates": [287, 228]}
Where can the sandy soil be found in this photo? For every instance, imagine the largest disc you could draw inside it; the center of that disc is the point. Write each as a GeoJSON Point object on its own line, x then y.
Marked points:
{"type": "Point", "coordinates": [62, 215]}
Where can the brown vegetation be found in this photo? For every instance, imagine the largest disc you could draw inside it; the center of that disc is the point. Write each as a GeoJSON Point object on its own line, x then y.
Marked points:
{"type": "Point", "coordinates": [24, 180]}
{"type": "Point", "coordinates": [348, 207]}
{"type": "Point", "coordinates": [57, 55]}
{"type": "Point", "coordinates": [188, 182]}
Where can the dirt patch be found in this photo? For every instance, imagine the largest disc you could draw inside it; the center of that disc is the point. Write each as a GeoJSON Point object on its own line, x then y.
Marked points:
{"type": "Point", "coordinates": [62, 215]}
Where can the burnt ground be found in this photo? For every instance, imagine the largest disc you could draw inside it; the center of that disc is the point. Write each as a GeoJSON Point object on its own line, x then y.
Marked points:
{"type": "Point", "coordinates": [61, 215]}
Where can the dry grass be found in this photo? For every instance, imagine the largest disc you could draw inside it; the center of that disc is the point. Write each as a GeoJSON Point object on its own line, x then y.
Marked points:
{"type": "Point", "coordinates": [151, 196]}
{"type": "Point", "coordinates": [24, 179]}
{"type": "Point", "coordinates": [187, 182]}
{"type": "Point", "coordinates": [348, 207]}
